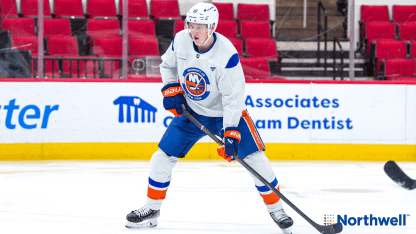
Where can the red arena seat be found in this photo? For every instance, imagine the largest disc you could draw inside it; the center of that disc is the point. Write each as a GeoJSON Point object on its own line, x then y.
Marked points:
{"type": "Point", "coordinates": [255, 29]}
{"type": "Point", "coordinates": [76, 67]}
{"type": "Point", "coordinates": [26, 43]}
{"type": "Point", "coordinates": [393, 68]}
{"type": "Point", "coordinates": [109, 48]}
{"type": "Point", "coordinates": [104, 46]}
{"type": "Point", "coordinates": [261, 48]}
{"type": "Point", "coordinates": [407, 31]}
{"type": "Point", "coordinates": [164, 9]}
{"type": "Point", "coordinates": [140, 47]}
{"type": "Point", "coordinates": [388, 49]}
{"type": "Point", "coordinates": [255, 67]}
{"type": "Point", "coordinates": [226, 10]}
{"type": "Point", "coordinates": [253, 12]}
{"type": "Point", "coordinates": [228, 28]}
{"type": "Point", "coordinates": [137, 9]}
{"type": "Point", "coordinates": [56, 27]}
{"type": "Point", "coordinates": [141, 28]}
{"type": "Point", "coordinates": [68, 8]}
{"type": "Point", "coordinates": [101, 8]}
{"type": "Point", "coordinates": [179, 26]}
{"type": "Point", "coordinates": [404, 14]}
{"type": "Point", "coordinates": [413, 49]}
{"type": "Point", "coordinates": [373, 13]}
{"type": "Point", "coordinates": [55, 45]}
{"type": "Point", "coordinates": [379, 30]}
{"type": "Point", "coordinates": [103, 28]}
{"type": "Point", "coordinates": [8, 8]}
{"type": "Point", "coordinates": [238, 44]}
{"type": "Point", "coordinates": [29, 8]}
{"type": "Point", "coordinates": [18, 26]}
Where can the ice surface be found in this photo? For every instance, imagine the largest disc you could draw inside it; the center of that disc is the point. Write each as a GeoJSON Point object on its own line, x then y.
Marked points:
{"type": "Point", "coordinates": [204, 197]}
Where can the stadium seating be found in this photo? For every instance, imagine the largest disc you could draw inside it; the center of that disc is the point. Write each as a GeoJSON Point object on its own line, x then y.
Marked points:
{"type": "Point", "coordinates": [165, 13]}
{"type": "Point", "coordinates": [31, 43]}
{"type": "Point", "coordinates": [29, 8]}
{"type": "Point", "coordinates": [137, 9]}
{"type": "Point", "coordinates": [76, 67]}
{"type": "Point", "coordinates": [255, 68]}
{"type": "Point", "coordinates": [141, 47]}
{"type": "Point", "coordinates": [413, 49]}
{"type": "Point", "coordinates": [404, 14]}
{"type": "Point", "coordinates": [227, 28]}
{"type": "Point", "coordinates": [253, 12]}
{"type": "Point", "coordinates": [372, 13]}
{"type": "Point", "coordinates": [8, 8]}
{"type": "Point", "coordinates": [407, 31]}
{"type": "Point", "coordinates": [238, 44]}
{"type": "Point", "coordinates": [179, 26]}
{"type": "Point", "coordinates": [255, 29]}
{"type": "Point", "coordinates": [101, 8]}
{"type": "Point", "coordinates": [55, 46]}
{"type": "Point", "coordinates": [141, 28]}
{"type": "Point", "coordinates": [56, 27]}
{"type": "Point", "coordinates": [261, 48]}
{"type": "Point", "coordinates": [393, 68]}
{"type": "Point", "coordinates": [378, 30]}
{"type": "Point", "coordinates": [164, 9]}
{"type": "Point", "coordinates": [18, 26]}
{"type": "Point", "coordinates": [26, 43]}
{"type": "Point", "coordinates": [109, 48]}
{"type": "Point", "coordinates": [387, 49]}
{"type": "Point", "coordinates": [226, 10]}
{"type": "Point", "coordinates": [102, 28]}
{"type": "Point", "coordinates": [68, 8]}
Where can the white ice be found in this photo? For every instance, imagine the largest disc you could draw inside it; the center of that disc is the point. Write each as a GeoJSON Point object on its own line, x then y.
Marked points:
{"type": "Point", "coordinates": [204, 197]}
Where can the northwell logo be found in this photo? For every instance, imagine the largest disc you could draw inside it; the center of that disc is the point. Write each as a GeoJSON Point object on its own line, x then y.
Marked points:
{"type": "Point", "coordinates": [136, 103]}
{"type": "Point", "coordinates": [367, 220]}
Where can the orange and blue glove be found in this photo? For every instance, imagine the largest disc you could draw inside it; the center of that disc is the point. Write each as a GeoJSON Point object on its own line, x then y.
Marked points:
{"type": "Point", "coordinates": [173, 99]}
{"type": "Point", "coordinates": [231, 139]}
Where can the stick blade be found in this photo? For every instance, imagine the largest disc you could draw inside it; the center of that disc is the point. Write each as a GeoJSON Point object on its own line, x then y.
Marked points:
{"type": "Point", "coordinates": [337, 227]}
{"type": "Point", "coordinates": [398, 176]}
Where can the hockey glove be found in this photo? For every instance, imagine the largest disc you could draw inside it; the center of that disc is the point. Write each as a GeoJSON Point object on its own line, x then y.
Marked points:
{"type": "Point", "coordinates": [173, 98]}
{"type": "Point", "coordinates": [231, 139]}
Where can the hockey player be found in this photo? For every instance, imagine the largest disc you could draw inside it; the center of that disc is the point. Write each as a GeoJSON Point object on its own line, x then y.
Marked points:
{"type": "Point", "coordinates": [212, 86]}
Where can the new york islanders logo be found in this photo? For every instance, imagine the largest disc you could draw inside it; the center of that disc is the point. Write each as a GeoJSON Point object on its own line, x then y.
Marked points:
{"type": "Point", "coordinates": [196, 82]}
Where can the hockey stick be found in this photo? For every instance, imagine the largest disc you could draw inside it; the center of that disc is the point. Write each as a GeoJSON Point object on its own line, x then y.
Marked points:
{"type": "Point", "coordinates": [398, 176]}
{"type": "Point", "coordinates": [331, 229]}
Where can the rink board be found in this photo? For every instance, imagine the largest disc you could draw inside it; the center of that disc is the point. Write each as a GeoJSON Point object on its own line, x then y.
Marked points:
{"type": "Point", "coordinates": [125, 120]}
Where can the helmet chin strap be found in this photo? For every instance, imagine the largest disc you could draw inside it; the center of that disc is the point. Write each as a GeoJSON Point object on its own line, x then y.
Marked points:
{"type": "Point", "coordinates": [192, 36]}
{"type": "Point", "coordinates": [209, 36]}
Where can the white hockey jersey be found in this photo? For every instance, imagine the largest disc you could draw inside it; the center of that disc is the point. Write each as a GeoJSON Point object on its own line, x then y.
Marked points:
{"type": "Point", "coordinates": [213, 81]}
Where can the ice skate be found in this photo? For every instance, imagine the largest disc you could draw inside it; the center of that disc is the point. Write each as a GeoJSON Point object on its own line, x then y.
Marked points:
{"type": "Point", "coordinates": [282, 220]}
{"type": "Point", "coordinates": [136, 217]}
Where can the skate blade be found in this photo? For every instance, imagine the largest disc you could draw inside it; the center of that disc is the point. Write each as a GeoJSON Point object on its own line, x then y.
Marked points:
{"type": "Point", "coordinates": [150, 224]}
{"type": "Point", "coordinates": [287, 230]}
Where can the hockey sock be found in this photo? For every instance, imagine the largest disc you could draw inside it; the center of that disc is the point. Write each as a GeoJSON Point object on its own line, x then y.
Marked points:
{"type": "Point", "coordinates": [161, 166]}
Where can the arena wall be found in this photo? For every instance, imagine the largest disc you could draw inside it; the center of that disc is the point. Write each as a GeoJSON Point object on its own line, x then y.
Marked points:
{"type": "Point", "coordinates": [124, 120]}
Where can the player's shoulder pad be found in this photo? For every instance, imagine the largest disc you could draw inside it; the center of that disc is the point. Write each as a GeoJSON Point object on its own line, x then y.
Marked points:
{"type": "Point", "coordinates": [179, 37]}
{"type": "Point", "coordinates": [233, 61]}
{"type": "Point", "coordinates": [228, 52]}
